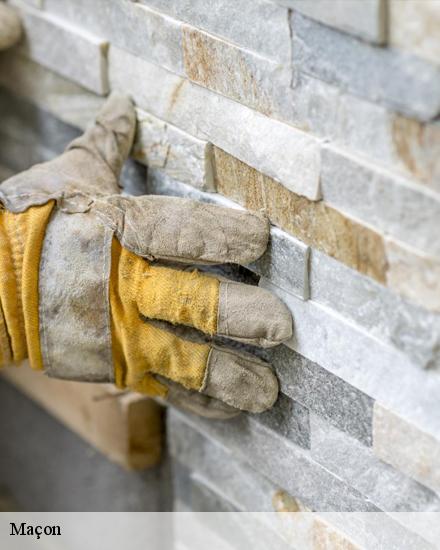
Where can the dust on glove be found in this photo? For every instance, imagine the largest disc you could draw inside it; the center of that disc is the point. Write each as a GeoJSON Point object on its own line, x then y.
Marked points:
{"type": "Point", "coordinates": [89, 288]}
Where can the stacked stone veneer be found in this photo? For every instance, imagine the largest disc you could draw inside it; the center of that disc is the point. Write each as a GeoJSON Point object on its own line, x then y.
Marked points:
{"type": "Point", "coordinates": [325, 115]}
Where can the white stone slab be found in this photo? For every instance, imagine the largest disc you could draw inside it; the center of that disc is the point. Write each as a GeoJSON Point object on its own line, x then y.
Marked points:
{"type": "Point", "coordinates": [68, 50]}
{"type": "Point", "coordinates": [183, 157]}
{"type": "Point", "coordinates": [365, 18]}
{"type": "Point", "coordinates": [290, 156]}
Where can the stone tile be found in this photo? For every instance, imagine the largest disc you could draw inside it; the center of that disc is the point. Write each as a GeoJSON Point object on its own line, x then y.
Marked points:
{"type": "Point", "coordinates": [285, 263]}
{"type": "Point", "coordinates": [144, 32]}
{"type": "Point", "coordinates": [383, 313]}
{"type": "Point", "coordinates": [161, 145]}
{"type": "Point", "coordinates": [253, 24]}
{"type": "Point", "coordinates": [86, 63]}
{"type": "Point", "coordinates": [63, 98]}
{"type": "Point", "coordinates": [413, 26]}
{"type": "Point", "coordinates": [405, 145]}
{"type": "Point", "coordinates": [274, 148]}
{"type": "Point", "coordinates": [289, 419]}
{"type": "Point", "coordinates": [395, 206]}
{"type": "Point", "coordinates": [357, 465]}
{"type": "Point", "coordinates": [374, 368]}
{"type": "Point", "coordinates": [248, 490]}
{"type": "Point", "coordinates": [237, 73]}
{"type": "Point", "coordinates": [283, 463]}
{"type": "Point", "coordinates": [416, 148]}
{"type": "Point", "coordinates": [406, 447]}
{"type": "Point", "coordinates": [357, 246]}
{"type": "Point", "coordinates": [415, 276]}
{"type": "Point", "coordinates": [364, 19]}
{"type": "Point", "coordinates": [325, 394]}
{"type": "Point", "coordinates": [403, 82]}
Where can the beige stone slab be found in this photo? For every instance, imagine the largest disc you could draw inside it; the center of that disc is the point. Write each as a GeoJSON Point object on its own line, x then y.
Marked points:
{"type": "Point", "coordinates": [239, 74]}
{"type": "Point", "coordinates": [126, 427]}
{"type": "Point", "coordinates": [414, 26]}
{"type": "Point", "coordinates": [314, 223]}
{"type": "Point", "coordinates": [406, 447]}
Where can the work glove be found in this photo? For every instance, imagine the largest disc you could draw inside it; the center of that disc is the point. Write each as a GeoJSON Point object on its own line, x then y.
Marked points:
{"type": "Point", "coordinates": [89, 289]}
{"type": "Point", "coordinates": [10, 27]}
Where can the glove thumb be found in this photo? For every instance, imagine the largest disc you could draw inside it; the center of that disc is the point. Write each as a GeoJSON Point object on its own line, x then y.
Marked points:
{"type": "Point", "coordinates": [110, 138]}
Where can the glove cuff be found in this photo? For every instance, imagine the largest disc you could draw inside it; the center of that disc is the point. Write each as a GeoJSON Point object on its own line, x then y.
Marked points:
{"type": "Point", "coordinates": [74, 298]}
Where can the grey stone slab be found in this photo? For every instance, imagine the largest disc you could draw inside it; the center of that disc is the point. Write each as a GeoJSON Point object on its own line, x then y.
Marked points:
{"type": "Point", "coordinates": [196, 456]}
{"type": "Point", "coordinates": [393, 205]}
{"type": "Point", "coordinates": [383, 313]}
{"type": "Point", "coordinates": [286, 262]}
{"type": "Point", "coordinates": [401, 81]}
{"type": "Point", "coordinates": [377, 369]}
{"type": "Point", "coordinates": [284, 464]}
{"type": "Point", "coordinates": [254, 24]}
{"type": "Point", "coordinates": [406, 448]}
{"type": "Point", "coordinates": [385, 486]}
{"type": "Point", "coordinates": [324, 393]}
{"type": "Point", "coordinates": [159, 144]}
{"type": "Point", "coordinates": [366, 19]}
{"type": "Point", "coordinates": [144, 32]}
{"type": "Point", "coordinates": [79, 55]}
{"type": "Point", "coordinates": [272, 147]}
{"type": "Point", "coordinates": [289, 419]}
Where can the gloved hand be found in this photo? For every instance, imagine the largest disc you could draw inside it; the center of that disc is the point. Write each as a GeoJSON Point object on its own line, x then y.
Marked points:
{"type": "Point", "coordinates": [10, 27]}
{"type": "Point", "coordinates": [81, 287]}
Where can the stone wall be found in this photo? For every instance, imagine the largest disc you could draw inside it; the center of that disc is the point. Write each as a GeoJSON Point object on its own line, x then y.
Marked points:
{"type": "Point", "coordinates": [328, 119]}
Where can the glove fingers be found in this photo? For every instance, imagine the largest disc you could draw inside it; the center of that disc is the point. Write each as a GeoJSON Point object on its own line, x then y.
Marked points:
{"type": "Point", "coordinates": [10, 27]}
{"type": "Point", "coordinates": [187, 231]}
{"type": "Point", "coordinates": [241, 312]}
{"type": "Point", "coordinates": [194, 402]}
{"type": "Point", "coordinates": [241, 381]}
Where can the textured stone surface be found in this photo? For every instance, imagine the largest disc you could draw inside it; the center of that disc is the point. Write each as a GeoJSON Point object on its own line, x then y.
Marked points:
{"type": "Point", "coordinates": [365, 19]}
{"type": "Point", "coordinates": [254, 24]}
{"type": "Point", "coordinates": [324, 393]}
{"type": "Point", "coordinates": [401, 81]}
{"type": "Point", "coordinates": [86, 63]}
{"type": "Point", "coordinates": [144, 32]}
{"type": "Point", "coordinates": [379, 310]}
{"type": "Point", "coordinates": [285, 263]}
{"type": "Point", "coordinates": [236, 482]}
{"type": "Point", "coordinates": [385, 486]}
{"type": "Point", "coordinates": [272, 147]}
{"type": "Point", "coordinates": [378, 370]}
{"type": "Point", "coordinates": [395, 205]}
{"type": "Point", "coordinates": [357, 246]}
{"type": "Point", "coordinates": [283, 463]}
{"type": "Point", "coordinates": [63, 98]}
{"type": "Point", "coordinates": [406, 447]}
{"type": "Point", "coordinates": [237, 73]}
{"type": "Point", "coordinates": [289, 419]}
{"type": "Point", "coordinates": [397, 142]}
{"type": "Point", "coordinates": [180, 155]}
{"type": "Point", "coordinates": [414, 25]}
{"type": "Point", "coordinates": [414, 275]}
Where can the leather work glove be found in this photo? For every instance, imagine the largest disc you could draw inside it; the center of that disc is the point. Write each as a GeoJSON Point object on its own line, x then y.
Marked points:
{"type": "Point", "coordinates": [83, 281]}
{"type": "Point", "coordinates": [10, 27]}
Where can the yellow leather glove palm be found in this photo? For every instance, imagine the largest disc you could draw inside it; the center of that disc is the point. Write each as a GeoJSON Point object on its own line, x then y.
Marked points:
{"type": "Point", "coordinates": [82, 289]}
